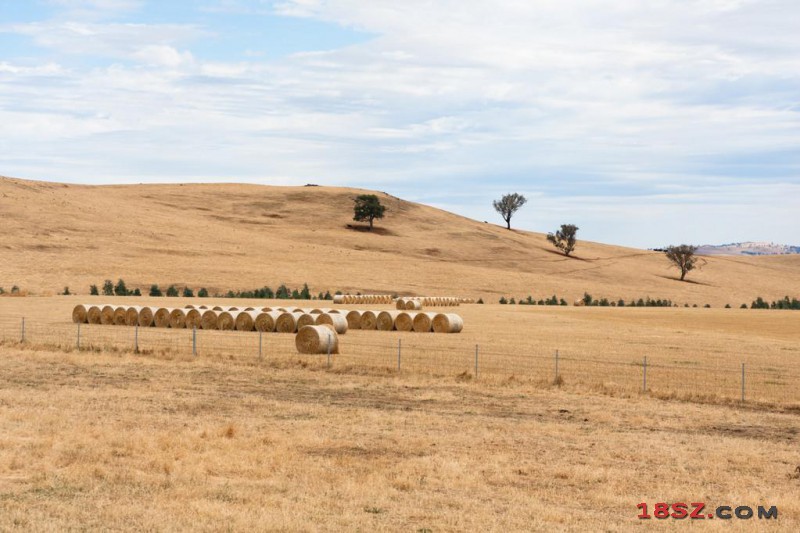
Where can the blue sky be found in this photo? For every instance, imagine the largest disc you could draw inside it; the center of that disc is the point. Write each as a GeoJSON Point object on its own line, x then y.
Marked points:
{"type": "Point", "coordinates": [644, 123]}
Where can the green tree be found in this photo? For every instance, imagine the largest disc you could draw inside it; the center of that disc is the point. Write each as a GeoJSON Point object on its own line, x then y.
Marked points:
{"type": "Point", "coordinates": [684, 258]}
{"type": "Point", "coordinates": [155, 291]}
{"type": "Point", "coordinates": [66, 291]}
{"type": "Point", "coordinates": [202, 293]}
{"type": "Point", "coordinates": [367, 208]}
{"type": "Point", "coordinates": [508, 205]}
{"type": "Point", "coordinates": [120, 289]}
{"type": "Point", "coordinates": [172, 292]}
{"type": "Point", "coordinates": [93, 290]}
{"type": "Point", "coordinates": [137, 292]}
{"type": "Point", "coordinates": [305, 294]}
{"type": "Point", "coordinates": [188, 293]}
{"type": "Point", "coordinates": [564, 239]}
{"type": "Point", "coordinates": [108, 288]}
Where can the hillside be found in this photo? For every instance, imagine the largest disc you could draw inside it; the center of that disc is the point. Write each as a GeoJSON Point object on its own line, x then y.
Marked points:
{"type": "Point", "coordinates": [237, 236]}
{"type": "Point", "coordinates": [748, 248]}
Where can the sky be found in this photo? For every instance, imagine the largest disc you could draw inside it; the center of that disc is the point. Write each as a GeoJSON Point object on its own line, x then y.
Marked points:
{"type": "Point", "coordinates": [643, 123]}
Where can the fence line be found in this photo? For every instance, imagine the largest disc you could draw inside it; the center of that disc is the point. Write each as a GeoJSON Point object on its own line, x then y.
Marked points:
{"type": "Point", "coordinates": [393, 352]}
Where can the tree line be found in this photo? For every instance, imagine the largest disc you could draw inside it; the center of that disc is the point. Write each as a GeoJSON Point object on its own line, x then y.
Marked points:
{"type": "Point", "coordinates": [281, 293]}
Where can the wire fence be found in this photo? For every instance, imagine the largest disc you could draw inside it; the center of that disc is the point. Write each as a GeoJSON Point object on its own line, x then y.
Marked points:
{"type": "Point", "coordinates": [443, 355]}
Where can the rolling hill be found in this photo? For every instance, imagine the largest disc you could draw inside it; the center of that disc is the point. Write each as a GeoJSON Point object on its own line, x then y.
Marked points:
{"type": "Point", "coordinates": [234, 236]}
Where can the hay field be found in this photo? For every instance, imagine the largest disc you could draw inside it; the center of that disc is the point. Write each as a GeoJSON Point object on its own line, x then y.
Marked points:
{"type": "Point", "coordinates": [692, 353]}
{"type": "Point", "coordinates": [122, 442]}
{"type": "Point", "coordinates": [232, 236]}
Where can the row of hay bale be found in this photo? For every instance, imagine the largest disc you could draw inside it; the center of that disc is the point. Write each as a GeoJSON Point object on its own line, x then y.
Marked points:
{"type": "Point", "coordinates": [421, 322]}
{"type": "Point", "coordinates": [281, 320]}
{"type": "Point", "coordinates": [362, 299]}
{"type": "Point", "coordinates": [418, 302]}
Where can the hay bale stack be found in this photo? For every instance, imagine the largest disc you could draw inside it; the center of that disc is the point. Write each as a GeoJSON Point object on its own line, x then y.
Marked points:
{"type": "Point", "coordinates": [336, 321]}
{"type": "Point", "coordinates": [93, 314]}
{"type": "Point", "coordinates": [286, 323]}
{"type": "Point", "coordinates": [353, 319]}
{"type": "Point", "coordinates": [193, 319]}
{"type": "Point", "coordinates": [107, 315]}
{"type": "Point", "coordinates": [306, 319]}
{"type": "Point", "coordinates": [369, 320]}
{"type": "Point", "coordinates": [386, 320]}
{"type": "Point", "coordinates": [225, 321]}
{"type": "Point", "coordinates": [146, 315]}
{"type": "Point", "coordinates": [317, 340]}
{"type": "Point", "coordinates": [80, 313]}
{"type": "Point", "coordinates": [119, 315]}
{"type": "Point", "coordinates": [405, 321]}
{"type": "Point", "coordinates": [266, 322]}
{"type": "Point", "coordinates": [132, 316]}
{"type": "Point", "coordinates": [447, 323]}
{"type": "Point", "coordinates": [177, 318]}
{"type": "Point", "coordinates": [161, 317]}
{"type": "Point", "coordinates": [208, 320]}
{"type": "Point", "coordinates": [423, 322]}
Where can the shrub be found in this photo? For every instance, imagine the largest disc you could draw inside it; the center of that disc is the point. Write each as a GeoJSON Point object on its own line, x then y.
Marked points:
{"type": "Point", "coordinates": [480, 300]}
{"type": "Point", "coordinates": [295, 295]}
{"type": "Point", "coordinates": [120, 289]}
{"type": "Point", "coordinates": [503, 300]}
{"type": "Point", "coordinates": [587, 298]}
{"type": "Point", "coordinates": [93, 290]}
{"type": "Point", "coordinates": [202, 293]}
{"type": "Point", "coordinates": [155, 291]}
{"type": "Point", "coordinates": [137, 292]}
{"type": "Point", "coordinates": [727, 306]}
{"type": "Point", "coordinates": [172, 292]}
{"type": "Point", "coordinates": [282, 293]}
{"type": "Point", "coordinates": [621, 303]}
{"type": "Point", "coordinates": [743, 306]}
{"type": "Point", "coordinates": [512, 301]}
{"type": "Point", "coordinates": [562, 301]}
{"type": "Point", "coordinates": [305, 294]}
{"type": "Point", "coordinates": [188, 293]}
{"type": "Point", "coordinates": [66, 291]}
{"type": "Point", "coordinates": [707, 306]}
{"type": "Point", "coordinates": [14, 290]}
{"type": "Point", "coordinates": [108, 288]}
{"type": "Point", "coordinates": [759, 303]}
{"type": "Point", "coordinates": [328, 296]}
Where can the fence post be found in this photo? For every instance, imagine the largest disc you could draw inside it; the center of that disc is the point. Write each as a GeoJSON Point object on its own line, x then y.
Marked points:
{"type": "Point", "coordinates": [644, 375]}
{"type": "Point", "coordinates": [194, 341]}
{"type": "Point", "coordinates": [136, 338]}
{"type": "Point", "coordinates": [476, 361]}
{"type": "Point", "coordinates": [399, 351]}
{"type": "Point", "coordinates": [260, 345]}
{"type": "Point", "coordinates": [23, 330]}
{"type": "Point", "coordinates": [742, 382]}
{"type": "Point", "coordinates": [79, 337]}
{"type": "Point", "coordinates": [556, 378]}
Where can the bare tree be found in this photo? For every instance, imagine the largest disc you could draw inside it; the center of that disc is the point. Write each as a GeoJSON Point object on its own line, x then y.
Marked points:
{"type": "Point", "coordinates": [564, 239]}
{"type": "Point", "coordinates": [684, 258]}
{"type": "Point", "coordinates": [508, 205]}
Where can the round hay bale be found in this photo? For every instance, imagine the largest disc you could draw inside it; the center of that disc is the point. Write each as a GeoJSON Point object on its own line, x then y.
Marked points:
{"type": "Point", "coordinates": [353, 319]}
{"type": "Point", "coordinates": [208, 320]}
{"type": "Point", "coordinates": [286, 323]}
{"type": "Point", "coordinates": [336, 321]}
{"type": "Point", "coordinates": [193, 319]}
{"type": "Point", "coordinates": [217, 308]}
{"type": "Point", "coordinates": [177, 318]}
{"type": "Point", "coordinates": [266, 321]}
{"type": "Point", "coordinates": [93, 314]}
{"type": "Point", "coordinates": [338, 299]}
{"type": "Point", "coordinates": [107, 315]}
{"type": "Point", "coordinates": [400, 303]}
{"type": "Point", "coordinates": [266, 309]}
{"type": "Point", "coordinates": [423, 322]}
{"type": "Point", "coordinates": [579, 303]}
{"type": "Point", "coordinates": [119, 315]}
{"type": "Point", "coordinates": [161, 317]}
{"type": "Point", "coordinates": [369, 320]}
{"type": "Point", "coordinates": [132, 316]}
{"type": "Point", "coordinates": [80, 314]}
{"type": "Point", "coordinates": [319, 311]}
{"type": "Point", "coordinates": [386, 320]}
{"type": "Point", "coordinates": [188, 306]}
{"type": "Point", "coordinates": [413, 305]}
{"type": "Point", "coordinates": [405, 321]}
{"type": "Point", "coordinates": [306, 319]}
{"type": "Point", "coordinates": [202, 307]}
{"type": "Point", "coordinates": [249, 309]}
{"type": "Point", "coordinates": [447, 323]}
{"type": "Point", "coordinates": [246, 320]}
{"type": "Point", "coordinates": [317, 340]}
{"type": "Point", "coordinates": [225, 321]}
{"type": "Point", "coordinates": [146, 316]}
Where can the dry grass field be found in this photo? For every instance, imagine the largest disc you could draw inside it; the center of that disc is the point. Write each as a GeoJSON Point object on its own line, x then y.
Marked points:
{"type": "Point", "coordinates": [250, 436]}
{"type": "Point", "coordinates": [228, 236]}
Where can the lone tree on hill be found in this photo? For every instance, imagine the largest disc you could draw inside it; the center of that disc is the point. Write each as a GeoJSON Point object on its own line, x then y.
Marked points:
{"type": "Point", "coordinates": [367, 208]}
{"type": "Point", "coordinates": [564, 239]}
{"type": "Point", "coordinates": [684, 258]}
{"type": "Point", "coordinates": [508, 205]}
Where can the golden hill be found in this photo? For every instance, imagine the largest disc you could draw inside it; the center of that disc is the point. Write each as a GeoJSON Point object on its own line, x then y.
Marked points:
{"type": "Point", "coordinates": [234, 236]}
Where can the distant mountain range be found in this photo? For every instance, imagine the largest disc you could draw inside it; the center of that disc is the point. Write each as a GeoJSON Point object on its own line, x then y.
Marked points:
{"type": "Point", "coordinates": [748, 248]}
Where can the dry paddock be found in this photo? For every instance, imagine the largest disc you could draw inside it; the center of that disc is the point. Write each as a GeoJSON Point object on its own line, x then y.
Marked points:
{"type": "Point", "coordinates": [691, 353]}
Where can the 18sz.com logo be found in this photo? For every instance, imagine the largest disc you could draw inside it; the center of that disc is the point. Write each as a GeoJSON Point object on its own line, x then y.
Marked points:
{"type": "Point", "coordinates": [697, 511]}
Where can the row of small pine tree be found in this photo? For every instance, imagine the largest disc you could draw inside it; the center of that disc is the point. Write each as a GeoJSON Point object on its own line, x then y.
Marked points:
{"type": "Point", "coordinates": [282, 293]}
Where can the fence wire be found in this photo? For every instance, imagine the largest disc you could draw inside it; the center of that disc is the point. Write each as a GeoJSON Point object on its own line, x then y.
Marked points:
{"type": "Point", "coordinates": [436, 355]}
